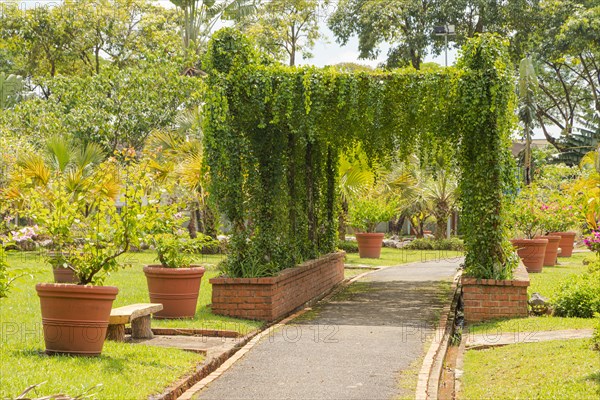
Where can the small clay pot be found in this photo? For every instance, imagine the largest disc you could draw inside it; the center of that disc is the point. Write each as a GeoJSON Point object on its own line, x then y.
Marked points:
{"type": "Point", "coordinates": [531, 252]}
{"type": "Point", "coordinates": [75, 317]}
{"type": "Point", "coordinates": [176, 289]}
{"type": "Point", "coordinates": [64, 275]}
{"type": "Point", "coordinates": [369, 244]}
{"type": "Point", "coordinates": [567, 242]}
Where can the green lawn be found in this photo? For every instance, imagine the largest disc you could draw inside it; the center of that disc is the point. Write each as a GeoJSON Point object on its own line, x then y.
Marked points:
{"type": "Point", "coordinates": [547, 283]}
{"type": "Point", "coordinates": [390, 257]}
{"type": "Point", "coordinates": [566, 369]}
{"type": "Point", "coordinates": [125, 371]}
{"type": "Point", "coordinates": [352, 272]}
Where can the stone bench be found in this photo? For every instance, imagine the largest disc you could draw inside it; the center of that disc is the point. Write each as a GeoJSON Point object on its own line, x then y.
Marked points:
{"type": "Point", "coordinates": [136, 314]}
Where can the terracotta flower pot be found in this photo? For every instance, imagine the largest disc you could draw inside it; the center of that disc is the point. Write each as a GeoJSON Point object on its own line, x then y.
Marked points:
{"type": "Point", "coordinates": [369, 244]}
{"type": "Point", "coordinates": [64, 275]}
{"type": "Point", "coordinates": [74, 317]}
{"type": "Point", "coordinates": [551, 249]}
{"type": "Point", "coordinates": [175, 288]}
{"type": "Point", "coordinates": [567, 242]}
{"type": "Point", "coordinates": [531, 252]}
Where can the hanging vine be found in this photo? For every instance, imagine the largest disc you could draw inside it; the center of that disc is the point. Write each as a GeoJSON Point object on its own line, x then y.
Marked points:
{"type": "Point", "coordinates": [274, 135]}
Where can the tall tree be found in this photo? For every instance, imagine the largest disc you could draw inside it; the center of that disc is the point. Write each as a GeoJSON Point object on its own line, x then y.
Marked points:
{"type": "Point", "coordinates": [405, 24]}
{"type": "Point", "coordinates": [567, 49]}
{"type": "Point", "coordinates": [284, 28]}
{"type": "Point", "coordinates": [528, 84]}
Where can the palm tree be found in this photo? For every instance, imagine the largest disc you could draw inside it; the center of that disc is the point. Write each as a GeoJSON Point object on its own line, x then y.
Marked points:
{"type": "Point", "coordinates": [182, 159]}
{"type": "Point", "coordinates": [201, 16]}
{"type": "Point", "coordinates": [355, 177]}
{"type": "Point", "coordinates": [441, 192]}
{"type": "Point", "coordinates": [75, 163]}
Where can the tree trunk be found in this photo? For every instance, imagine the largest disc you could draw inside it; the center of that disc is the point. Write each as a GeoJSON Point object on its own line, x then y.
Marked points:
{"type": "Point", "coordinates": [342, 221]}
{"type": "Point", "coordinates": [193, 224]}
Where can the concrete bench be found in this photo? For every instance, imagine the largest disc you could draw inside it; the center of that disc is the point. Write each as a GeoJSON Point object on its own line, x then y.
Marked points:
{"type": "Point", "coordinates": [136, 314]}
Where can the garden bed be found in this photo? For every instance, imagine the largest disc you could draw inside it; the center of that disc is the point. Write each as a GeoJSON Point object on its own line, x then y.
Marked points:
{"type": "Point", "coordinates": [486, 299]}
{"type": "Point", "coordinates": [271, 298]}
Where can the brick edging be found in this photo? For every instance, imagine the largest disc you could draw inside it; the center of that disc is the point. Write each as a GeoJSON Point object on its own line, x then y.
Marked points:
{"type": "Point", "coordinates": [430, 372]}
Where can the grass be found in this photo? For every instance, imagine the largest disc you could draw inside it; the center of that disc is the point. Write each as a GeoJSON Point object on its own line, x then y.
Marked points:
{"type": "Point", "coordinates": [352, 272]}
{"type": "Point", "coordinates": [125, 371]}
{"type": "Point", "coordinates": [546, 370]}
{"type": "Point", "coordinates": [391, 257]}
{"type": "Point", "coordinates": [547, 283]}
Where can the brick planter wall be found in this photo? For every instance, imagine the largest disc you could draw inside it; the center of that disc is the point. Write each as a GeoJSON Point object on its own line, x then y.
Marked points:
{"type": "Point", "coordinates": [271, 298]}
{"type": "Point", "coordinates": [486, 299]}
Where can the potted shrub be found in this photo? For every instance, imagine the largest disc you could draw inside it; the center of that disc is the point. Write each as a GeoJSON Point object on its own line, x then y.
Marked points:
{"type": "Point", "coordinates": [75, 317]}
{"type": "Point", "coordinates": [175, 282]}
{"type": "Point", "coordinates": [557, 218]}
{"type": "Point", "coordinates": [526, 215]}
{"type": "Point", "coordinates": [364, 214]}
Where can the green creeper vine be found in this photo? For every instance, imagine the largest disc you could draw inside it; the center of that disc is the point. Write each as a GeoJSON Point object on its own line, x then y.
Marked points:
{"type": "Point", "coordinates": [274, 135]}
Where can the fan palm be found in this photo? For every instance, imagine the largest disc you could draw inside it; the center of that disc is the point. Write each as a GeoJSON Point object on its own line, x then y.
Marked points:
{"type": "Point", "coordinates": [77, 164]}
{"type": "Point", "coordinates": [355, 177]}
{"type": "Point", "coordinates": [182, 159]}
{"type": "Point", "coordinates": [441, 193]}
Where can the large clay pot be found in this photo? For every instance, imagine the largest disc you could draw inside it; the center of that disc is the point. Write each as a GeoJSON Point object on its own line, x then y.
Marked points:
{"type": "Point", "coordinates": [75, 317]}
{"type": "Point", "coordinates": [531, 252]}
{"type": "Point", "coordinates": [551, 249]}
{"type": "Point", "coordinates": [64, 275]}
{"type": "Point", "coordinates": [567, 242]}
{"type": "Point", "coordinates": [175, 288]}
{"type": "Point", "coordinates": [369, 244]}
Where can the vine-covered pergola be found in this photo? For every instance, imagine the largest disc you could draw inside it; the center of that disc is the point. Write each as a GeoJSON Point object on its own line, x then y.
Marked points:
{"type": "Point", "coordinates": [273, 135]}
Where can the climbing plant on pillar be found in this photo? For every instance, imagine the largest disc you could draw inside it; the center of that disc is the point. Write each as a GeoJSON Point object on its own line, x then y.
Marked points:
{"type": "Point", "coordinates": [485, 118]}
{"type": "Point", "coordinates": [273, 136]}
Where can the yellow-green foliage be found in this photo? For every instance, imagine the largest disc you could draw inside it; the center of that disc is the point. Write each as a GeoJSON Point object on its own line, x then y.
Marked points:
{"type": "Point", "coordinates": [273, 136]}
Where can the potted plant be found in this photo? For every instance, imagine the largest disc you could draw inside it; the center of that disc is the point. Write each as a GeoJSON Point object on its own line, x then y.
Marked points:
{"type": "Point", "coordinates": [75, 317]}
{"type": "Point", "coordinates": [526, 215]}
{"type": "Point", "coordinates": [364, 214]}
{"type": "Point", "coordinates": [557, 218]}
{"type": "Point", "coordinates": [175, 282]}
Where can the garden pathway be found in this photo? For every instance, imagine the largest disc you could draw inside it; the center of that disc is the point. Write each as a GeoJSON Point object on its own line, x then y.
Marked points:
{"type": "Point", "coordinates": [353, 346]}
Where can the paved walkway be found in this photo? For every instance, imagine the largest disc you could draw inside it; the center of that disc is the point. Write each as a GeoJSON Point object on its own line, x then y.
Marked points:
{"type": "Point", "coordinates": [354, 346]}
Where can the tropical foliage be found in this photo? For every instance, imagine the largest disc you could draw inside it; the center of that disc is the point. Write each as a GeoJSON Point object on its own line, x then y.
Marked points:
{"type": "Point", "coordinates": [275, 162]}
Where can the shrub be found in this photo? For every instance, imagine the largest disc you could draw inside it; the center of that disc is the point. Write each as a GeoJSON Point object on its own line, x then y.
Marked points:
{"type": "Point", "coordinates": [579, 296]}
{"type": "Point", "coordinates": [348, 246]}
{"type": "Point", "coordinates": [596, 336]}
{"type": "Point", "coordinates": [436, 244]}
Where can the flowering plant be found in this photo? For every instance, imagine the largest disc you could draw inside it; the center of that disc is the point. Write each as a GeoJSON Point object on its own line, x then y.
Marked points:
{"type": "Point", "coordinates": [526, 213]}
{"type": "Point", "coordinates": [593, 242]}
{"type": "Point", "coordinates": [557, 215]}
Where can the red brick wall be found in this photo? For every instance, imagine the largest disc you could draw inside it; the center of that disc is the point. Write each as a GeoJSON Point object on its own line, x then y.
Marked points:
{"type": "Point", "coordinates": [486, 299]}
{"type": "Point", "coordinates": [271, 298]}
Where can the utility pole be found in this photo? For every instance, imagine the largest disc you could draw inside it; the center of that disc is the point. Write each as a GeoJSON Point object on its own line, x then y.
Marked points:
{"type": "Point", "coordinates": [445, 31]}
